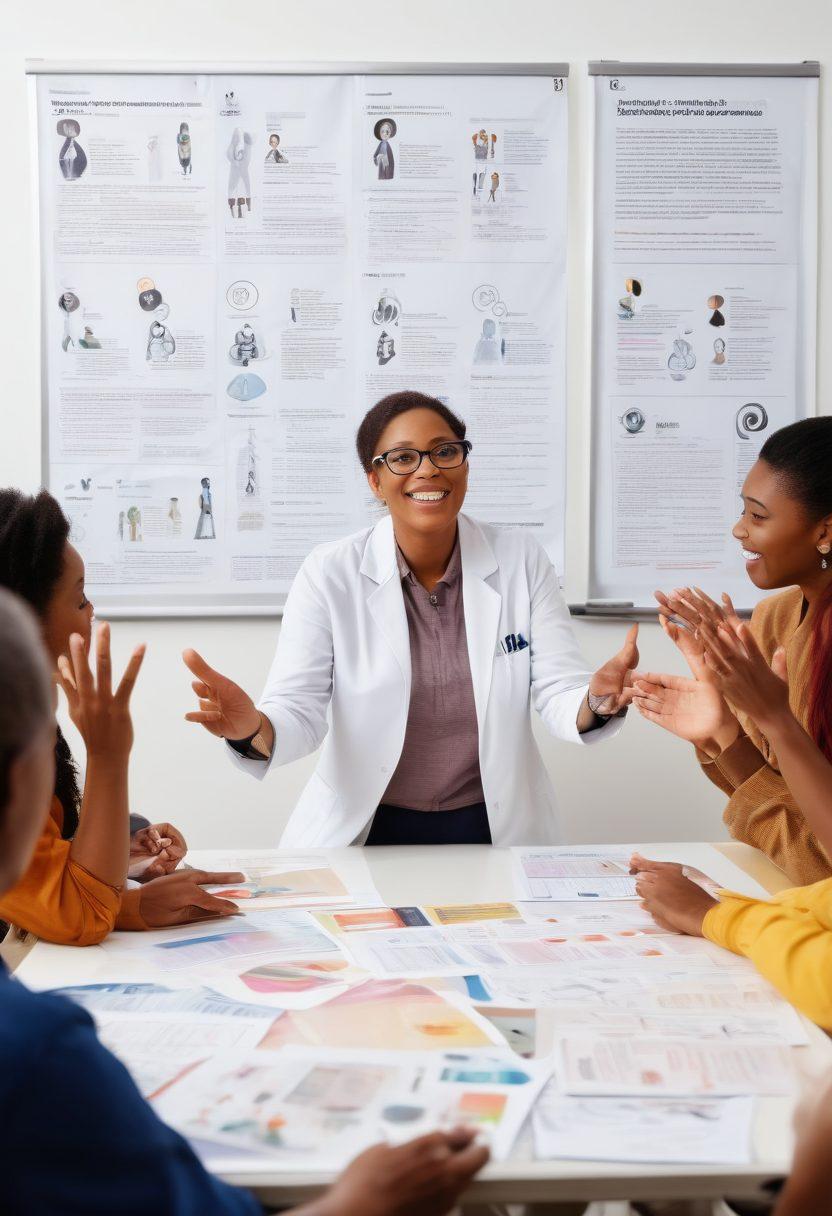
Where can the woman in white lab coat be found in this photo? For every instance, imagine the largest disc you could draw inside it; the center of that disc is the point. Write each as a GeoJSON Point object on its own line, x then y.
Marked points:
{"type": "Point", "coordinates": [412, 650]}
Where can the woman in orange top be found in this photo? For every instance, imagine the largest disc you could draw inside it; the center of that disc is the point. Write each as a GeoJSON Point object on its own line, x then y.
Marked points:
{"type": "Point", "coordinates": [73, 891]}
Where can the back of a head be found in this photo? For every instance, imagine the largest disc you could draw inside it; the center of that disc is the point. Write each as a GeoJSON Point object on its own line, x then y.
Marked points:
{"type": "Point", "coordinates": [26, 699]}
{"type": "Point", "coordinates": [33, 536]}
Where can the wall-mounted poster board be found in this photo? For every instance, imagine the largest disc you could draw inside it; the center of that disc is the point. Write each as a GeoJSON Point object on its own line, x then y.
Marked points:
{"type": "Point", "coordinates": [237, 263]}
{"type": "Point", "coordinates": [704, 326]}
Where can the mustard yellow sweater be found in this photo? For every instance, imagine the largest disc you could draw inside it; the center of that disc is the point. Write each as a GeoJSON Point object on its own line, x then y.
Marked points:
{"type": "Point", "coordinates": [761, 810]}
{"type": "Point", "coordinates": [788, 939]}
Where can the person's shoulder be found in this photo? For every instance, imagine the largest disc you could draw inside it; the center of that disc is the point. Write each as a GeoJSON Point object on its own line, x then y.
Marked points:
{"type": "Point", "coordinates": [29, 1023]}
{"type": "Point", "coordinates": [777, 613]}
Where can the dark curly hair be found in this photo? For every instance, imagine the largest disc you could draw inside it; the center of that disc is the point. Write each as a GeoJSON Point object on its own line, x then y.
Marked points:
{"type": "Point", "coordinates": [384, 411]}
{"type": "Point", "coordinates": [33, 536]}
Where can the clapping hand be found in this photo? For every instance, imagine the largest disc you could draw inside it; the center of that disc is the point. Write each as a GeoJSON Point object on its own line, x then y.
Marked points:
{"type": "Point", "coordinates": [741, 673]}
{"type": "Point", "coordinates": [693, 710]}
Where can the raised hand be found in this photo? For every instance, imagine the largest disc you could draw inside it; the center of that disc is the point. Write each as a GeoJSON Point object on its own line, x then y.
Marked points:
{"type": "Point", "coordinates": [691, 709]}
{"type": "Point", "coordinates": [101, 716]}
{"type": "Point", "coordinates": [225, 709]}
{"type": "Point", "coordinates": [179, 898]}
{"type": "Point", "coordinates": [614, 680]}
{"type": "Point", "coordinates": [423, 1177]}
{"type": "Point", "coordinates": [742, 674]}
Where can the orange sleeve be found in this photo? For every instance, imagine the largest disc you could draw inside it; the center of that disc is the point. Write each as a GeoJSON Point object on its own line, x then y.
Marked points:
{"type": "Point", "coordinates": [57, 899]}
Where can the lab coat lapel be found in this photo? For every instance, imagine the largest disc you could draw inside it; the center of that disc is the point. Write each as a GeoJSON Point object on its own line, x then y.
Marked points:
{"type": "Point", "coordinates": [385, 601]}
{"type": "Point", "coordinates": [482, 605]}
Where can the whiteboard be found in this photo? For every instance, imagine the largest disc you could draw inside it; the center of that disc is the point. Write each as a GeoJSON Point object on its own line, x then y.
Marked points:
{"type": "Point", "coordinates": [236, 262]}
{"type": "Point", "coordinates": [704, 311]}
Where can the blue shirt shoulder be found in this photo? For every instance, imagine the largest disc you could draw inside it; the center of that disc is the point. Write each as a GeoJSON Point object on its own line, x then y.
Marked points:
{"type": "Point", "coordinates": [77, 1136]}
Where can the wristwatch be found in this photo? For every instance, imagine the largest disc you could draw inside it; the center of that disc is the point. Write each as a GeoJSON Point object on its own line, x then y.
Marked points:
{"type": "Point", "coordinates": [254, 747]}
{"type": "Point", "coordinates": [595, 704]}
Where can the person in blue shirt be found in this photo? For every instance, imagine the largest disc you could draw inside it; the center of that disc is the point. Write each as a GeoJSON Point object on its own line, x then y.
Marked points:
{"type": "Point", "coordinates": [76, 1136]}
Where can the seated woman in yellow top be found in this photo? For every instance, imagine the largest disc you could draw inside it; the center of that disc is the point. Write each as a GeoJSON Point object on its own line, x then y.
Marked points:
{"type": "Point", "coordinates": [785, 531]}
{"type": "Point", "coordinates": [73, 891]}
{"type": "Point", "coordinates": [788, 938]}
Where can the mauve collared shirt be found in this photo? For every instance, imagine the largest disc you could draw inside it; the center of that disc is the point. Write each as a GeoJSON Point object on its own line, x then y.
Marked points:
{"type": "Point", "coordinates": [439, 768]}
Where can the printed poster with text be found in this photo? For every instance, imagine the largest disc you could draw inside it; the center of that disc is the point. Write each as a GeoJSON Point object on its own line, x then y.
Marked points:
{"type": "Point", "coordinates": [237, 268]}
{"type": "Point", "coordinates": [704, 316]}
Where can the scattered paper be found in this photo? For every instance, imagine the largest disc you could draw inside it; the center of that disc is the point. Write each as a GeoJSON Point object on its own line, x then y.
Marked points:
{"type": "Point", "coordinates": [597, 1065]}
{"type": "Point", "coordinates": [359, 920]}
{"type": "Point", "coordinates": [468, 914]}
{"type": "Point", "coordinates": [317, 1105]}
{"type": "Point", "coordinates": [391, 1014]}
{"type": "Point", "coordinates": [291, 932]}
{"type": "Point", "coordinates": [564, 874]}
{"type": "Point", "coordinates": [660, 1130]}
{"type": "Point", "coordinates": [277, 879]}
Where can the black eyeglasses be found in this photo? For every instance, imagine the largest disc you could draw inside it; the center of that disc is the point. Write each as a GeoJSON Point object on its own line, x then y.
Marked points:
{"type": "Point", "coordinates": [402, 461]}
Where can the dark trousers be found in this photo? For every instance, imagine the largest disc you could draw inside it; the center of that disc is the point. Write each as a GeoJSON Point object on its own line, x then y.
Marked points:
{"type": "Point", "coordinates": [398, 825]}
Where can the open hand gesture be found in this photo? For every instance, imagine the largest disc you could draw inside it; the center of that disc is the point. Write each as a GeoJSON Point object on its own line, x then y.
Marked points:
{"type": "Point", "coordinates": [225, 709]}
{"type": "Point", "coordinates": [614, 680]}
{"type": "Point", "coordinates": [101, 716]}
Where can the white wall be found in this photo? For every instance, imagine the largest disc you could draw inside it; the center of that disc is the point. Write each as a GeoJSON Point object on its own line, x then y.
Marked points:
{"type": "Point", "coordinates": [644, 785]}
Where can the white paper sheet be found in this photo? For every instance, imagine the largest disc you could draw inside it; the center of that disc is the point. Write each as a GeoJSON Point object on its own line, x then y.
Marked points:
{"type": "Point", "coordinates": [566, 874]}
{"type": "Point", "coordinates": [276, 878]}
{"type": "Point", "coordinates": [301, 1105]}
{"type": "Point", "coordinates": [604, 1066]}
{"type": "Point", "coordinates": [697, 1131]}
{"type": "Point", "coordinates": [288, 933]}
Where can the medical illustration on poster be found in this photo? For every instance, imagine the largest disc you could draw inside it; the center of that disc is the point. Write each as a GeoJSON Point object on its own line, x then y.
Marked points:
{"type": "Point", "coordinates": [237, 267]}
{"type": "Point", "coordinates": [705, 242]}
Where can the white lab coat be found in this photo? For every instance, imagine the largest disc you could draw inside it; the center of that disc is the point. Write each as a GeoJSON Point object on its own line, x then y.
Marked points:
{"type": "Point", "coordinates": [341, 677]}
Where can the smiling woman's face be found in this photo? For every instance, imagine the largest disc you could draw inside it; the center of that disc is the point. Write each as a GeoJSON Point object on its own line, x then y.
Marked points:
{"type": "Point", "coordinates": [430, 499]}
{"type": "Point", "coordinates": [69, 611]}
{"type": "Point", "coordinates": [779, 541]}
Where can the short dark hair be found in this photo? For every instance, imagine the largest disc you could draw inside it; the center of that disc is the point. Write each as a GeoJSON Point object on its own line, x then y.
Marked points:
{"type": "Point", "coordinates": [384, 411]}
{"type": "Point", "coordinates": [33, 535]}
{"type": "Point", "coordinates": [25, 684]}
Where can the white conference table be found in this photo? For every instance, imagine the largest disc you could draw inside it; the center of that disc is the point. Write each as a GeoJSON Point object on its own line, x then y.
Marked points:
{"type": "Point", "coordinates": [480, 873]}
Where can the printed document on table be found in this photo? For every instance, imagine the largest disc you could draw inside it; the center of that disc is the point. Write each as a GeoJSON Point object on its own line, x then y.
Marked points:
{"type": "Point", "coordinates": [568, 874]}
{"type": "Point", "coordinates": [661, 1130]}
{"type": "Point", "coordinates": [279, 1106]}
{"type": "Point", "coordinates": [275, 878]}
{"type": "Point", "coordinates": [290, 933]}
{"type": "Point", "coordinates": [590, 1064]}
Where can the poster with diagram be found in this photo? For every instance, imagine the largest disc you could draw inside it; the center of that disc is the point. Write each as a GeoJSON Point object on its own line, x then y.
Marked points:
{"type": "Point", "coordinates": [705, 245]}
{"type": "Point", "coordinates": [235, 268]}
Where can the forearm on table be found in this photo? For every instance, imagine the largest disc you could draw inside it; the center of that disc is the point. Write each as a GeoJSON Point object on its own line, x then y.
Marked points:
{"type": "Point", "coordinates": [806, 772]}
{"type": "Point", "coordinates": [787, 945]}
{"type": "Point", "coordinates": [102, 840]}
